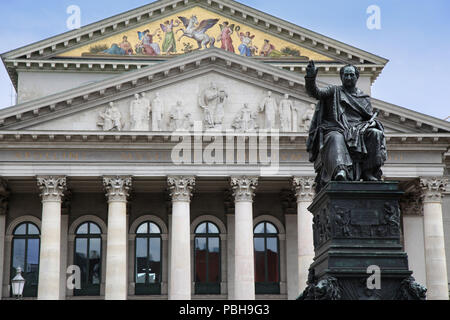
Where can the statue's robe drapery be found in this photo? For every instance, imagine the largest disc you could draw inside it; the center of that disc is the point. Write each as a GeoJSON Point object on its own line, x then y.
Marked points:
{"type": "Point", "coordinates": [339, 138]}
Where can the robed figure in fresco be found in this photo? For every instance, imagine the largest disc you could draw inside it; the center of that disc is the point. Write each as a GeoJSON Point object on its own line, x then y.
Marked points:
{"type": "Point", "coordinates": [169, 44]}
{"type": "Point", "coordinates": [346, 142]}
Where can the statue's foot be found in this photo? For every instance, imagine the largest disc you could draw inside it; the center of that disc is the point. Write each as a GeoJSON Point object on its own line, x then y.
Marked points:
{"type": "Point", "coordinates": [341, 176]}
{"type": "Point", "coordinates": [368, 176]}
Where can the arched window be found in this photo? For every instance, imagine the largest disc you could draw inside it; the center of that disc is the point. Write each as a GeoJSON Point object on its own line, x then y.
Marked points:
{"type": "Point", "coordinates": [148, 259]}
{"type": "Point", "coordinates": [267, 259]}
{"type": "Point", "coordinates": [25, 254]}
{"type": "Point", "coordinates": [88, 256]}
{"type": "Point", "coordinates": [207, 259]}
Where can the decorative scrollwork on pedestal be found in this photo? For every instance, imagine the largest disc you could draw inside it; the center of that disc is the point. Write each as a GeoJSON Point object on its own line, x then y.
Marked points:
{"type": "Point", "coordinates": [432, 188]}
{"type": "Point", "coordinates": [244, 188]}
{"type": "Point", "coordinates": [304, 188]}
{"type": "Point", "coordinates": [52, 187]}
{"type": "Point", "coordinates": [117, 188]}
{"type": "Point", "coordinates": [181, 187]}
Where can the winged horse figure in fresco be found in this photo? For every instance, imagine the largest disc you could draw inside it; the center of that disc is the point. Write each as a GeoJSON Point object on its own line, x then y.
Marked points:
{"type": "Point", "coordinates": [197, 31]}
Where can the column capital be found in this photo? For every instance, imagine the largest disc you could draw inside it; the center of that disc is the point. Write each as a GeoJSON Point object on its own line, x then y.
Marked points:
{"type": "Point", "coordinates": [52, 187]}
{"type": "Point", "coordinates": [243, 188]}
{"type": "Point", "coordinates": [304, 188]}
{"type": "Point", "coordinates": [181, 187]}
{"type": "Point", "coordinates": [117, 187]}
{"type": "Point", "coordinates": [4, 196]}
{"type": "Point", "coordinates": [432, 188]}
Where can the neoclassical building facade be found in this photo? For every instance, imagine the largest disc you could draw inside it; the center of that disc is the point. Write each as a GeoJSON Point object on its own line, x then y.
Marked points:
{"type": "Point", "coordinates": [136, 166]}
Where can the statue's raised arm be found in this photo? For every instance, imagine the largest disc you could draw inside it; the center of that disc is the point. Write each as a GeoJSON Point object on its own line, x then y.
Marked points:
{"type": "Point", "coordinates": [310, 83]}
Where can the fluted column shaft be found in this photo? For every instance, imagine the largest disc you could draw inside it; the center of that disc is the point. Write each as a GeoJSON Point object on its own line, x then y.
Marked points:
{"type": "Point", "coordinates": [52, 190]}
{"type": "Point", "coordinates": [304, 191]}
{"type": "Point", "coordinates": [117, 192]}
{"type": "Point", "coordinates": [244, 263]}
{"type": "Point", "coordinates": [180, 238]}
{"type": "Point", "coordinates": [436, 265]}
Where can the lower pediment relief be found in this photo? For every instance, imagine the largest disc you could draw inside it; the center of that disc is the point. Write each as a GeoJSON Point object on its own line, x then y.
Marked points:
{"type": "Point", "coordinates": [213, 101]}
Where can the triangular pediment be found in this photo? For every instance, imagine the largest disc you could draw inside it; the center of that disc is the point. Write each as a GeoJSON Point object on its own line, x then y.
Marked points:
{"type": "Point", "coordinates": [286, 38]}
{"type": "Point", "coordinates": [183, 79]}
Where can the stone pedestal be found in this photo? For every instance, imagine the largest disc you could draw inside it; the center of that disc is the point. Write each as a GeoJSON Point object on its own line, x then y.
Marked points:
{"type": "Point", "coordinates": [356, 234]}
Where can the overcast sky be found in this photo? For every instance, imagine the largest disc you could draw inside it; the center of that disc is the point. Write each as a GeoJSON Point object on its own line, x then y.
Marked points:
{"type": "Point", "coordinates": [414, 36]}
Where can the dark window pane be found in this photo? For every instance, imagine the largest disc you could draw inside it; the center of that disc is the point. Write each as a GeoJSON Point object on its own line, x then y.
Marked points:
{"type": "Point", "coordinates": [83, 229]}
{"type": "Point", "coordinates": [201, 228]}
{"type": "Point", "coordinates": [259, 228]}
{"type": "Point", "coordinates": [81, 256]}
{"type": "Point", "coordinates": [141, 259]}
{"type": "Point", "coordinates": [94, 229]}
{"type": "Point", "coordinates": [18, 258]}
{"type": "Point", "coordinates": [94, 260]}
{"type": "Point", "coordinates": [200, 260]}
{"type": "Point", "coordinates": [33, 255]}
{"type": "Point", "coordinates": [154, 229]}
{"type": "Point", "coordinates": [32, 229]}
{"type": "Point", "coordinates": [259, 260]}
{"type": "Point", "coordinates": [212, 228]}
{"type": "Point", "coordinates": [213, 260]}
{"type": "Point", "coordinates": [155, 260]}
{"type": "Point", "coordinates": [272, 259]}
{"type": "Point", "coordinates": [143, 228]}
{"type": "Point", "coordinates": [21, 230]}
{"type": "Point", "coordinates": [270, 228]}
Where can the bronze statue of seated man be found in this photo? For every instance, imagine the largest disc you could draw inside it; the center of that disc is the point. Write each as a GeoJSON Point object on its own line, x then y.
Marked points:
{"type": "Point", "coordinates": [346, 142]}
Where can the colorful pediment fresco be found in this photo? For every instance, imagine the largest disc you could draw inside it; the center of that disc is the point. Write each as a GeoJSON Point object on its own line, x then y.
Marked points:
{"type": "Point", "coordinates": [191, 30]}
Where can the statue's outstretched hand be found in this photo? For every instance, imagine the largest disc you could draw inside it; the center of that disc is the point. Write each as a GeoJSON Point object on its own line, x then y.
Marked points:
{"type": "Point", "coordinates": [311, 70]}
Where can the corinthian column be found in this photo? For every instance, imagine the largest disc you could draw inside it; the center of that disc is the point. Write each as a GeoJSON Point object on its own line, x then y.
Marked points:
{"type": "Point", "coordinates": [117, 192]}
{"type": "Point", "coordinates": [52, 190]}
{"type": "Point", "coordinates": [244, 263]}
{"type": "Point", "coordinates": [304, 191]}
{"type": "Point", "coordinates": [437, 282]}
{"type": "Point", "coordinates": [180, 238]}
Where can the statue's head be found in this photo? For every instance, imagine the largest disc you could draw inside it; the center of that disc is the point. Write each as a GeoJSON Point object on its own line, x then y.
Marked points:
{"type": "Point", "coordinates": [286, 96]}
{"type": "Point", "coordinates": [136, 96]}
{"type": "Point", "coordinates": [143, 94]}
{"type": "Point", "coordinates": [269, 93]}
{"type": "Point", "coordinates": [213, 85]}
{"type": "Point", "coordinates": [349, 76]}
{"type": "Point", "coordinates": [157, 95]}
{"type": "Point", "coordinates": [111, 104]}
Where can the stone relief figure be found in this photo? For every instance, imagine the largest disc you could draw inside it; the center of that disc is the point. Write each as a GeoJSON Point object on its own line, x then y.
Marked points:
{"type": "Point", "coordinates": [110, 119]}
{"type": "Point", "coordinates": [140, 113]}
{"type": "Point", "coordinates": [286, 110]}
{"type": "Point", "coordinates": [188, 123]}
{"type": "Point", "coordinates": [269, 107]}
{"type": "Point", "coordinates": [245, 120]}
{"type": "Point", "coordinates": [307, 118]}
{"type": "Point", "coordinates": [177, 117]}
{"type": "Point", "coordinates": [220, 109]}
{"type": "Point", "coordinates": [212, 101]}
{"type": "Point", "coordinates": [157, 109]}
{"type": "Point", "coordinates": [345, 142]}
